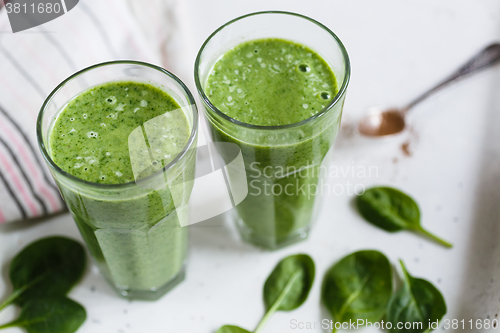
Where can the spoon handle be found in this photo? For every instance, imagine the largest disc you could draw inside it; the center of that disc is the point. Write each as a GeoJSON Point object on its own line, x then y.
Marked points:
{"type": "Point", "coordinates": [484, 59]}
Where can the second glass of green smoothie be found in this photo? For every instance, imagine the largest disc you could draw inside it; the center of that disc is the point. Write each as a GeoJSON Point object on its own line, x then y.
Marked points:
{"type": "Point", "coordinates": [274, 83]}
{"type": "Point", "coordinates": [120, 140]}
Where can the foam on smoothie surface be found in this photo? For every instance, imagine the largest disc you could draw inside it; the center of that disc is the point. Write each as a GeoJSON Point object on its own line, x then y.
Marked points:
{"type": "Point", "coordinates": [271, 82]}
{"type": "Point", "coordinates": [90, 137]}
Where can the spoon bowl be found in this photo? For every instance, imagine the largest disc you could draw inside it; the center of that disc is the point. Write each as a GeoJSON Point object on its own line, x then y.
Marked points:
{"type": "Point", "coordinates": [382, 123]}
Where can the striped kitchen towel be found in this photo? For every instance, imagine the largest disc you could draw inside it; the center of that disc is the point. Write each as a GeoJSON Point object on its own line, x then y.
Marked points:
{"type": "Point", "coordinates": [34, 61]}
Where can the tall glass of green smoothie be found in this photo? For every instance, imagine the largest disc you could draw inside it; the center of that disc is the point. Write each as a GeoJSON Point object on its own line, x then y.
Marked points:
{"type": "Point", "coordinates": [274, 83]}
{"type": "Point", "coordinates": [120, 141]}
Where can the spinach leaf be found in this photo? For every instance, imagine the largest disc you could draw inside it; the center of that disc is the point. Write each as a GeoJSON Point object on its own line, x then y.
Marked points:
{"type": "Point", "coordinates": [290, 282]}
{"type": "Point", "coordinates": [392, 210]}
{"type": "Point", "coordinates": [231, 329]}
{"type": "Point", "coordinates": [417, 302]}
{"type": "Point", "coordinates": [285, 289]}
{"type": "Point", "coordinates": [47, 267]}
{"type": "Point", "coordinates": [50, 315]}
{"type": "Point", "coordinates": [288, 286]}
{"type": "Point", "coordinates": [359, 286]}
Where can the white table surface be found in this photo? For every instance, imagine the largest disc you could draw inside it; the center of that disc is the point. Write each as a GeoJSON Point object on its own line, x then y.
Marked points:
{"type": "Point", "coordinates": [397, 49]}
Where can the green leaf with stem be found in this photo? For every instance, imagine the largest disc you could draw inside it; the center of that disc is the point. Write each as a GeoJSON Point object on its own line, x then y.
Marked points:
{"type": "Point", "coordinates": [288, 286]}
{"type": "Point", "coordinates": [49, 315]}
{"type": "Point", "coordinates": [393, 210]}
{"type": "Point", "coordinates": [358, 287]}
{"type": "Point", "coordinates": [418, 303]}
{"type": "Point", "coordinates": [47, 267]}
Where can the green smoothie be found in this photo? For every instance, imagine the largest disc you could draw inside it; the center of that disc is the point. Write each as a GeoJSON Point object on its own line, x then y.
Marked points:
{"type": "Point", "coordinates": [133, 233]}
{"type": "Point", "coordinates": [274, 82]}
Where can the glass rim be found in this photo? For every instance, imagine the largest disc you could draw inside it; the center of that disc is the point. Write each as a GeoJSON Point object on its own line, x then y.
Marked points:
{"type": "Point", "coordinates": [185, 149]}
{"type": "Point", "coordinates": [333, 102]}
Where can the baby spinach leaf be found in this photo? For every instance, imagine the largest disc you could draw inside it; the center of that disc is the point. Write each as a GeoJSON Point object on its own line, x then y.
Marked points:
{"type": "Point", "coordinates": [288, 285]}
{"type": "Point", "coordinates": [418, 302]}
{"type": "Point", "coordinates": [50, 315]}
{"type": "Point", "coordinates": [392, 210]}
{"type": "Point", "coordinates": [47, 267]}
{"type": "Point", "coordinates": [359, 286]}
{"type": "Point", "coordinates": [290, 282]}
{"type": "Point", "coordinates": [231, 329]}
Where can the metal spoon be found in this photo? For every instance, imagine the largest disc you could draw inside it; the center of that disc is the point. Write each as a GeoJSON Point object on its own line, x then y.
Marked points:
{"type": "Point", "coordinates": [391, 121]}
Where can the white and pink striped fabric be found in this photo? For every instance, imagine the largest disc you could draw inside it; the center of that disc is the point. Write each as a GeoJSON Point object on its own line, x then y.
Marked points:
{"type": "Point", "coordinates": [33, 62]}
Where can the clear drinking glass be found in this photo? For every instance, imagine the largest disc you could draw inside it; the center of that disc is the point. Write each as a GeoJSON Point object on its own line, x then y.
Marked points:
{"type": "Point", "coordinates": [268, 218]}
{"type": "Point", "coordinates": [136, 232]}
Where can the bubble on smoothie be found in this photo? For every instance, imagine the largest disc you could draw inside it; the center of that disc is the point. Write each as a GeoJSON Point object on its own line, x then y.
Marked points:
{"type": "Point", "coordinates": [71, 119]}
{"type": "Point", "coordinates": [72, 130]}
{"type": "Point", "coordinates": [236, 72]}
{"type": "Point", "coordinates": [103, 177]}
{"type": "Point", "coordinates": [108, 154]}
{"type": "Point", "coordinates": [136, 109]}
{"type": "Point", "coordinates": [84, 116]}
{"type": "Point", "coordinates": [92, 134]}
{"type": "Point", "coordinates": [118, 173]}
{"type": "Point", "coordinates": [168, 156]}
{"type": "Point", "coordinates": [111, 100]}
{"type": "Point", "coordinates": [78, 157]}
{"type": "Point", "coordinates": [144, 103]}
{"type": "Point", "coordinates": [304, 68]}
{"type": "Point", "coordinates": [249, 55]}
{"type": "Point", "coordinates": [259, 59]}
{"type": "Point", "coordinates": [103, 124]}
{"type": "Point", "coordinates": [229, 98]}
{"type": "Point", "coordinates": [324, 95]}
{"type": "Point", "coordinates": [305, 106]}
{"type": "Point", "coordinates": [78, 165]}
{"type": "Point", "coordinates": [126, 88]}
{"type": "Point", "coordinates": [239, 91]}
{"type": "Point", "coordinates": [120, 107]}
